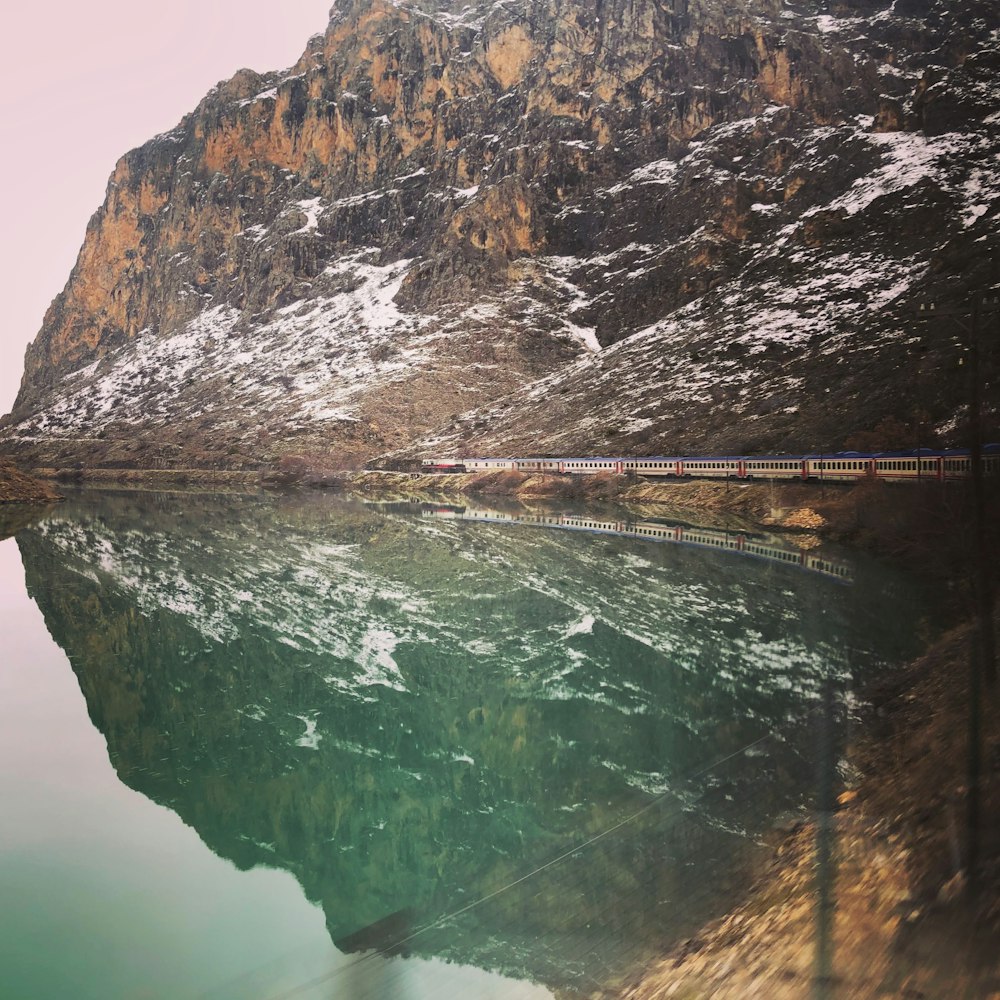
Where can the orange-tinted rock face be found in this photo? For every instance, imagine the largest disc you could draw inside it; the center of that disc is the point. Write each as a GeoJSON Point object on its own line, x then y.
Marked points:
{"type": "Point", "coordinates": [639, 156]}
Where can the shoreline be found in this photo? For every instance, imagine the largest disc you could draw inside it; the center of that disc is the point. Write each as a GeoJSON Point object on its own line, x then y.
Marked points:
{"type": "Point", "coordinates": [17, 487]}
{"type": "Point", "coordinates": [784, 506]}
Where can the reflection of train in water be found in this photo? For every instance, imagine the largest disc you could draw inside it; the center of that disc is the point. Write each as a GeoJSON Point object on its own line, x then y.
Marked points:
{"type": "Point", "coordinates": [740, 542]}
{"type": "Point", "coordinates": [845, 466]}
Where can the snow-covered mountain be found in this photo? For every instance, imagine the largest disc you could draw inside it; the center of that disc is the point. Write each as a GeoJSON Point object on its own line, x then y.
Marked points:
{"type": "Point", "coordinates": [629, 227]}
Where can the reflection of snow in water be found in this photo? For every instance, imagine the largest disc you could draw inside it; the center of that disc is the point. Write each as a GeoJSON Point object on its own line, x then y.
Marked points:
{"type": "Point", "coordinates": [311, 738]}
{"type": "Point", "coordinates": [582, 627]}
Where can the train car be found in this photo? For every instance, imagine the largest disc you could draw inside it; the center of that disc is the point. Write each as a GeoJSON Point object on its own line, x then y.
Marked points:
{"type": "Point", "coordinates": [893, 466]}
{"type": "Point", "coordinates": [771, 467]}
{"type": "Point", "coordinates": [652, 466]}
{"type": "Point", "coordinates": [957, 463]}
{"type": "Point", "coordinates": [844, 466]}
{"type": "Point", "coordinates": [533, 465]}
{"type": "Point", "coordinates": [591, 466]}
{"type": "Point", "coordinates": [591, 525]}
{"type": "Point", "coordinates": [488, 464]}
{"type": "Point", "coordinates": [711, 467]}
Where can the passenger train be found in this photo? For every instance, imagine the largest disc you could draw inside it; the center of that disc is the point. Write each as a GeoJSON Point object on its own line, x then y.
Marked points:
{"type": "Point", "coordinates": [845, 466]}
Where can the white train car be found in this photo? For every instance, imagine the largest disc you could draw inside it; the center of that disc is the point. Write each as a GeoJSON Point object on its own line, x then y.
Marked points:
{"type": "Point", "coordinates": [906, 465]}
{"type": "Point", "coordinates": [652, 466]}
{"type": "Point", "coordinates": [772, 467]}
{"type": "Point", "coordinates": [710, 467]}
{"type": "Point", "coordinates": [488, 464]}
{"type": "Point", "coordinates": [534, 465]}
{"type": "Point", "coordinates": [844, 467]}
{"type": "Point", "coordinates": [958, 464]}
{"type": "Point", "coordinates": [591, 466]}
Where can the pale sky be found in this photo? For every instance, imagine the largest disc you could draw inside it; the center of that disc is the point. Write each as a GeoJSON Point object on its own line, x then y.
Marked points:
{"type": "Point", "coordinates": [86, 82]}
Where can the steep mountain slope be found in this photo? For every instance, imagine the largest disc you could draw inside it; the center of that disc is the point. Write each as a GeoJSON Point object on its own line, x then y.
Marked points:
{"type": "Point", "coordinates": [645, 226]}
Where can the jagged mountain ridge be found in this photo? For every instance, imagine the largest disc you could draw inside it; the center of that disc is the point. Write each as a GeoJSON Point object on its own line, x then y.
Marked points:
{"type": "Point", "coordinates": [620, 226]}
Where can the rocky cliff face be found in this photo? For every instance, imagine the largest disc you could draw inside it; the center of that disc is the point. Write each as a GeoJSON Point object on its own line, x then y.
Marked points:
{"type": "Point", "coordinates": [546, 226]}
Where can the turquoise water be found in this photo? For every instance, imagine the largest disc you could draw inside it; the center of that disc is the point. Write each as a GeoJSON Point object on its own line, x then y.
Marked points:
{"type": "Point", "coordinates": [248, 740]}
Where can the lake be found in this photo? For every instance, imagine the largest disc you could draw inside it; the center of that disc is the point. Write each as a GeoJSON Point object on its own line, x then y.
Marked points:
{"type": "Point", "coordinates": [297, 745]}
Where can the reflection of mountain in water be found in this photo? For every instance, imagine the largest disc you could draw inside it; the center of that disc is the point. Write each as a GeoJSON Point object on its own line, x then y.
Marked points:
{"type": "Point", "coordinates": [408, 713]}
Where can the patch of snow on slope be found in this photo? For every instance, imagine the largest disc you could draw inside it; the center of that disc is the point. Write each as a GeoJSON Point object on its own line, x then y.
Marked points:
{"type": "Point", "coordinates": [265, 95]}
{"type": "Point", "coordinates": [558, 268]}
{"type": "Point", "coordinates": [311, 738]}
{"type": "Point", "coordinates": [311, 209]}
{"type": "Point", "coordinates": [583, 627]}
{"type": "Point", "coordinates": [377, 647]}
{"type": "Point", "coordinates": [981, 189]}
{"type": "Point", "coordinates": [314, 357]}
{"type": "Point", "coordinates": [907, 159]}
{"type": "Point", "coordinates": [656, 172]}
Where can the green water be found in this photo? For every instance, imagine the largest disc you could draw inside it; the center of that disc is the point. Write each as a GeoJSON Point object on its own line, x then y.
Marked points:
{"type": "Point", "coordinates": [507, 754]}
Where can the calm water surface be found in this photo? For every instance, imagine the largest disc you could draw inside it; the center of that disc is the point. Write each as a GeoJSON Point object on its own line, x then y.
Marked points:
{"type": "Point", "coordinates": [271, 746]}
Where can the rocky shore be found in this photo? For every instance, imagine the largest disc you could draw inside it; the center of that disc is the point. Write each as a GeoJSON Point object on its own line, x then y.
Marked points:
{"type": "Point", "coordinates": [18, 487]}
{"type": "Point", "coordinates": [903, 918]}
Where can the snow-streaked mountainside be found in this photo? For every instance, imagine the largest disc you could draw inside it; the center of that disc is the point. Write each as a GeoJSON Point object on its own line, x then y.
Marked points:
{"type": "Point", "coordinates": [509, 227]}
